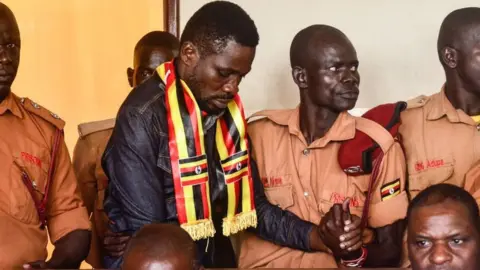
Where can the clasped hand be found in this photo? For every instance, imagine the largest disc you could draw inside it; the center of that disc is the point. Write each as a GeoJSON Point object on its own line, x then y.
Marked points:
{"type": "Point", "coordinates": [341, 231]}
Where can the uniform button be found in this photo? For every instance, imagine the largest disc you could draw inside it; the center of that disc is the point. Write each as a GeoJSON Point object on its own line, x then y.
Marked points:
{"type": "Point", "coordinates": [305, 194]}
{"type": "Point", "coordinates": [306, 152]}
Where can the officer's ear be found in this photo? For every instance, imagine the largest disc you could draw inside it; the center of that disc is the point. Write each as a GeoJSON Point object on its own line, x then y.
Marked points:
{"type": "Point", "coordinates": [299, 75]}
{"type": "Point", "coordinates": [130, 73]}
{"type": "Point", "coordinates": [449, 57]}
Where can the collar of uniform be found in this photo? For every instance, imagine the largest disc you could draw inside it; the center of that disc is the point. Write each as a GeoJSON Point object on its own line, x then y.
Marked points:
{"type": "Point", "coordinates": [10, 104]}
{"type": "Point", "coordinates": [343, 129]}
{"type": "Point", "coordinates": [439, 106]}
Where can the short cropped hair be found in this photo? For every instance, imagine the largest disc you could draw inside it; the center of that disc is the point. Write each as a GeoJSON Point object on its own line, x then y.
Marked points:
{"type": "Point", "coordinates": [215, 24]}
{"type": "Point", "coordinates": [158, 39]}
{"type": "Point", "coordinates": [456, 29]}
{"type": "Point", "coordinates": [440, 193]}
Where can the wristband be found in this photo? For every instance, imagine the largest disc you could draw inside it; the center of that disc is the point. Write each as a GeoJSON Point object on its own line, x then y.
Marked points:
{"type": "Point", "coordinates": [357, 262]}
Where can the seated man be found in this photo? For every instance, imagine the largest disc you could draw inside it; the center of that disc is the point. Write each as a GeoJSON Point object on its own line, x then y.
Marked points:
{"type": "Point", "coordinates": [296, 151]}
{"type": "Point", "coordinates": [151, 50]}
{"type": "Point", "coordinates": [443, 229]}
{"type": "Point", "coordinates": [161, 246]}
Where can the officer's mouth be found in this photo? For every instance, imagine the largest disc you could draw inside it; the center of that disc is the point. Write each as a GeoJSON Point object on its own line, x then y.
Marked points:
{"type": "Point", "coordinates": [4, 79]}
{"type": "Point", "coordinates": [349, 94]}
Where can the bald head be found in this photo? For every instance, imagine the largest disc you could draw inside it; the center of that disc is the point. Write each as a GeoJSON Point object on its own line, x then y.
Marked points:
{"type": "Point", "coordinates": [160, 246]}
{"type": "Point", "coordinates": [9, 49]}
{"type": "Point", "coordinates": [151, 50]}
{"type": "Point", "coordinates": [458, 49]}
{"type": "Point", "coordinates": [459, 30]}
{"type": "Point", "coordinates": [307, 43]}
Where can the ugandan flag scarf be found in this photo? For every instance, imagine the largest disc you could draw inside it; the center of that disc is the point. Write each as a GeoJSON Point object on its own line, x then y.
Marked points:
{"type": "Point", "coordinates": [189, 161]}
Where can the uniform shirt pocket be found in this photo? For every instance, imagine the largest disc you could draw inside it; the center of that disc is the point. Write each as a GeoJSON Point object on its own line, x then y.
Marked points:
{"type": "Point", "coordinates": [420, 181]}
{"type": "Point", "coordinates": [27, 169]}
{"type": "Point", "coordinates": [282, 196]}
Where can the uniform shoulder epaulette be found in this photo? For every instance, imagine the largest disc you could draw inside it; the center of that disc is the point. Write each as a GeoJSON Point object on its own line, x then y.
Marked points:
{"type": "Point", "coordinates": [95, 126]}
{"type": "Point", "coordinates": [277, 116]}
{"type": "Point", "coordinates": [417, 102]}
{"type": "Point", "coordinates": [43, 113]}
{"type": "Point", "coordinates": [257, 116]}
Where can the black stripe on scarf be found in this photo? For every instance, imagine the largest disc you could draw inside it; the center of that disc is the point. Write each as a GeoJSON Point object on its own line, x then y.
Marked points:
{"type": "Point", "coordinates": [232, 129]}
{"type": "Point", "coordinates": [192, 151]}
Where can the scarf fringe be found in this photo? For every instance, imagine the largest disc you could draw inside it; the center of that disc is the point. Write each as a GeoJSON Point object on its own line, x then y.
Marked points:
{"type": "Point", "coordinates": [200, 229]}
{"type": "Point", "coordinates": [239, 222]}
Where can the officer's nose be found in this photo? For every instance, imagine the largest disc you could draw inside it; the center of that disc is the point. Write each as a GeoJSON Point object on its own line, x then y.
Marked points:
{"type": "Point", "coordinates": [440, 254]}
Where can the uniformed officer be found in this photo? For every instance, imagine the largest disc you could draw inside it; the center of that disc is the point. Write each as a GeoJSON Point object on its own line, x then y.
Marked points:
{"type": "Point", "coordinates": [441, 133]}
{"type": "Point", "coordinates": [296, 151]}
{"type": "Point", "coordinates": [151, 50]}
{"type": "Point", "coordinates": [38, 193]}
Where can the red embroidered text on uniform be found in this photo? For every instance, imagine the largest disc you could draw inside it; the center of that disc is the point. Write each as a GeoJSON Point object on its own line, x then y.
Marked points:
{"type": "Point", "coordinates": [435, 163]}
{"type": "Point", "coordinates": [31, 159]}
{"type": "Point", "coordinates": [338, 198]}
{"type": "Point", "coordinates": [272, 181]}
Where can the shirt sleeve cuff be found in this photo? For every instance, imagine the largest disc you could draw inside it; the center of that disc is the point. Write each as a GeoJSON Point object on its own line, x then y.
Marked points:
{"type": "Point", "coordinates": [306, 228]}
{"type": "Point", "coordinates": [387, 212]}
{"type": "Point", "coordinates": [69, 221]}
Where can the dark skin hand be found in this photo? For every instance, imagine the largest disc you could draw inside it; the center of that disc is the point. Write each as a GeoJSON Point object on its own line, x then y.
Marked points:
{"type": "Point", "coordinates": [115, 243]}
{"type": "Point", "coordinates": [69, 252]}
{"type": "Point", "coordinates": [384, 251]}
{"type": "Point", "coordinates": [341, 232]}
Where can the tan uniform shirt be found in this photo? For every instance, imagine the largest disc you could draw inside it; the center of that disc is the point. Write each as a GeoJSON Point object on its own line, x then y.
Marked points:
{"type": "Point", "coordinates": [26, 140]}
{"type": "Point", "coordinates": [440, 142]}
{"type": "Point", "coordinates": [472, 182]}
{"type": "Point", "coordinates": [307, 180]}
{"type": "Point", "coordinates": [92, 180]}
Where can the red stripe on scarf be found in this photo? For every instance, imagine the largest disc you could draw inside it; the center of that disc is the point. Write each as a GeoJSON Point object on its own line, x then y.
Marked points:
{"type": "Point", "coordinates": [227, 138]}
{"type": "Point", "coordinates": [238, 188]}
{"type": "Point", "coordinates": [203, 188]}
{"type": "Point", "coordinates": [234, 166]}
{"type": "Point", "coordinates": [237, 178]}
{"type": "Point", "coordinates": [194, 120]}
{"type": "Point", "coordinates": [179, 196]}
{"type": "Point", "coordinates": [200, 181]}
{"type": "Point", "coordinates": [242, 111]}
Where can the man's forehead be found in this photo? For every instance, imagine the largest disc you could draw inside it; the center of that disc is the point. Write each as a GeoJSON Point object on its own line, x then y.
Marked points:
{"type": "Point", "coordinates": [332, 50]}
{"type": "Point", "coordinates": [234, 56]}
{"type": "Point", "coordinates": [442, 219]}
{"type": "Point", "coordinates": [144, 56]}
{"type": "Point", "coordinates": [8, 25]}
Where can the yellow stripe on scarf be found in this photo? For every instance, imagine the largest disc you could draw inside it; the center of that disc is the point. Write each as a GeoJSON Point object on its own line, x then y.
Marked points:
{"type": "Point", "coordinates": [182, 150]}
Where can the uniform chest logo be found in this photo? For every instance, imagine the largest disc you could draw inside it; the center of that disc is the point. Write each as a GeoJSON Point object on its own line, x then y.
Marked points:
{"type": "Point", "coordinates": [31, 159]}
{"type": "Point", "coordinates": [272, 181]}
